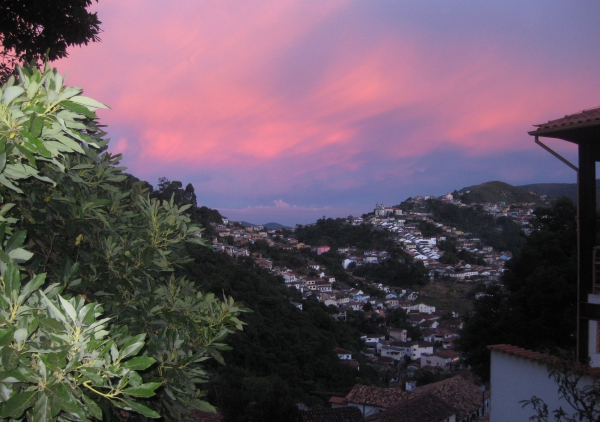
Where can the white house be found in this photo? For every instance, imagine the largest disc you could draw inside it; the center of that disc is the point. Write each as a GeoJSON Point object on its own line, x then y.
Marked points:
{"type": "Point", "coordinates": [518, 374]}
{"type": "Point", "coordinates": [396, 353]}
{"type": "Point", "coordinates": [423, 308]}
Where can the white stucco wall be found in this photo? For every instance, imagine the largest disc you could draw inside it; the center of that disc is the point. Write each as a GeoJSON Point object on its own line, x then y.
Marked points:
{"type": "Point", "coordinates": [514, 379]}
{"type": "Point", "coordinates": [593, 330]}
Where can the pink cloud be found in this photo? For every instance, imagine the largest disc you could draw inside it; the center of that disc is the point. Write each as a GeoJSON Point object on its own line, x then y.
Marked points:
{"type": "Point", "coordinates": [275, 95]}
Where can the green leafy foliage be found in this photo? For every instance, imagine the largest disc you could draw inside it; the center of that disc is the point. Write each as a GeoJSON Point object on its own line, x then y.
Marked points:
{"type": "Point", "coordinates": [57, 358]}
{"type": "Point", "coordinates": [99, 238]}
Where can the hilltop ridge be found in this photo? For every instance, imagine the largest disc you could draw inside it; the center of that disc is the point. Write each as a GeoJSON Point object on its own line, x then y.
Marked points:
{"type": "Point", "coordinates": [497, 191]}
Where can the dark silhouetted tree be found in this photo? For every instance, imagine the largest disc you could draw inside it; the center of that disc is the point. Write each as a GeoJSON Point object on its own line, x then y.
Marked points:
{"type": "Point", "coordinates": [537, 309]}
{"type": "Point", "coordinates": [31, 29]}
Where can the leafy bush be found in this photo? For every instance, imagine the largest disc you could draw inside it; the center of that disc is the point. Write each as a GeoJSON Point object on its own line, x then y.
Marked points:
{"type": "Point", "coordinates": [94, 237]}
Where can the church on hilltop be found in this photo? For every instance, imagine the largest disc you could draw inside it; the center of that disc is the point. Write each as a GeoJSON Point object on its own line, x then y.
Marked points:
{"type": "Point", "coordinates": [383, 211]}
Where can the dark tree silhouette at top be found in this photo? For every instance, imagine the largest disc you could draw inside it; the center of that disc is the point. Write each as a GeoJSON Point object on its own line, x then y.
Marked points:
{"type": "Point", "coordinates": [31, 29]}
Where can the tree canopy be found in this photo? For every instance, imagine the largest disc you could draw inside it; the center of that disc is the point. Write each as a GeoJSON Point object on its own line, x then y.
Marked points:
{"type": "Point", "coordinates": [94, 313]}
{"type": "Point", "coordinates": [537, 307]}
{"type": "Point", "coordinates": [31, 29]}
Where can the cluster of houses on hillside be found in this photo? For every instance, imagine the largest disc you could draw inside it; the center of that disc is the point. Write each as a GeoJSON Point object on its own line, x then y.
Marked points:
{"type": "Point", "coordinates": [404, 226]}
{"type": "Point", "coordinates": [439, 330]}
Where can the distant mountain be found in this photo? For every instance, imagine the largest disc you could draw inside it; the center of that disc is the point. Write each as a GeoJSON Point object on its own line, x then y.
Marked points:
{"type": "Point", "coordinates": [271, 226]}
{"type": "Point", "coordinates": [556, 190]}
{"type": "Point", "coordinates": [497, 192]}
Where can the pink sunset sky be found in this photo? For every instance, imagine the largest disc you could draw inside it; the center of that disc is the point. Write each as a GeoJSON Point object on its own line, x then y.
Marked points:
{"type": "Point", "coordinates": [286, 111]}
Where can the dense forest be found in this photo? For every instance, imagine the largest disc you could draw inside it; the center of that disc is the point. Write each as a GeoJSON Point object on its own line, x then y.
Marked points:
{"type": "Point", "coordinates": [338, 232]}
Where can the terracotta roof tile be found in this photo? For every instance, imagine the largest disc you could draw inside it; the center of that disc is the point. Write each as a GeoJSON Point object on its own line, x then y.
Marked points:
{"type": "Point", "coordinates": [520, 352]}
{"type": "Point", "coordinates": [426, 407]}
{"type": "Point", "coordinates": [584, 118]}
{"type": "Point", "coordinates": [464, 396]}
{"type": "Point", "coordinates": [541, 358]}
{"type": "Point", "coordinates": [381, 397]}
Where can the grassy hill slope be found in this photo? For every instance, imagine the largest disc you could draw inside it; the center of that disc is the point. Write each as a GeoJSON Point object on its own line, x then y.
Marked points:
{"type": "Point", "coordinates": [496, 192]}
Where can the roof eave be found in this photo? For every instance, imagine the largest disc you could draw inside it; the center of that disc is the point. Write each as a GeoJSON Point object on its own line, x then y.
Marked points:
{"type": "Point", "coordinates": [572, 133]}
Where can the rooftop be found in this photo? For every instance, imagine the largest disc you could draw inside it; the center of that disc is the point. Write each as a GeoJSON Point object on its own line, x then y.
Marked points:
{"type": "Point", "coordinates": [573, 127]}
{"type": "Point", "coordinates": [426, 407]}
{"type": "Point", "coordinates": [381, 397]}
{"type": "Point", "coordinates": [456, 392]}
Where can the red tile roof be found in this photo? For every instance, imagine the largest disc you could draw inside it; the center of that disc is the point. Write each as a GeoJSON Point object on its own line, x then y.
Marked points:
{"type": "Point", "coordinates": [375, 396]}
{"type": "Point", "coordinates": [589, 116]}
{"type": "Point", "coordinates": [422, 408]}
{"type": "Point", "coordinates": [464, 396]}
{"type": "Point", "coordinates": [520, 352]}
{"type": "Point", "coordinates": [338, 400]}
{"type": "Point", "coordinates": [538, 357]}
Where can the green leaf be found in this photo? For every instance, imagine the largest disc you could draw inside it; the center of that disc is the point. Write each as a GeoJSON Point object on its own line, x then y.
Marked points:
{"type": "Point", "coordinates": [11, 376]}
{"type": "Point", "coordinates": [52, 324]}
{"type": "Point", "coordinates": [32, 285]}
{"type": "Point", "coordinates": [8, 183]}
{"type": "Point", "coordinates": [10, 358]}
{"type": "Point", "coordinates": [96, 378]}
{"type": "Point", "coordinates": [144, 390]}
{"type": "Point", "coordinates": [69, 309]}
{"type": "Point", "coordinates": [36, 125]}
{"type": "Point", "coordinates": [16, 240]}
{"type": "Point", "coordinates": [92, 407]}
{"type": "Point", "coordinates": [138, 363]}
{"type": "Point", "coordinates": [17, 404]}
{"type": "Point", "coordinates": [70, 143]}
{"type": "Point", "coordinates": [41, 147]}
{"type": "Point", "coordinates": [67, 402]}
{"type": "Point", "coordinates": [11, 93]}
{"type": "Point", "coordinates": [140, 408]}
{"type": "Point", "coordinates": [12, 280]}
{"type": "Point", "coordinates": [41, 409]}
{"type": "Point", "coordinates": [6, 336]}
{"type": "Point", "coordinates": [218, 357]}
{"type": "Point", "coordinates": [21, 335]}
{"type": "Point", "coordinates": [88, 102]}
{"type": "Point", "coordinates": [78, 108]}
{"type": "Point", "coordinates": [27, 154]}
{"type": "Point", "coordinates": [132, 346]}
{"type": "Point", "coordinates": [20, 255]}
{"type": "Point", "coordinates": [55, 312]}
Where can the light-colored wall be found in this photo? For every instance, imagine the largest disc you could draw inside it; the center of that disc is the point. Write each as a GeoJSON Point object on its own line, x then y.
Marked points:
{"type": "Point", "coordinates": [366, 409]}
{"type": "Point", "coordinates": [593, 334]}
{"type": "Point", "coordinates": [514, 379]}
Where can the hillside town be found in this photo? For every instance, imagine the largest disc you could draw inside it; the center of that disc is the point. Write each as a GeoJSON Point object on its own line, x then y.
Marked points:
{"type": "Point", "coordinates": [396, 352]}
